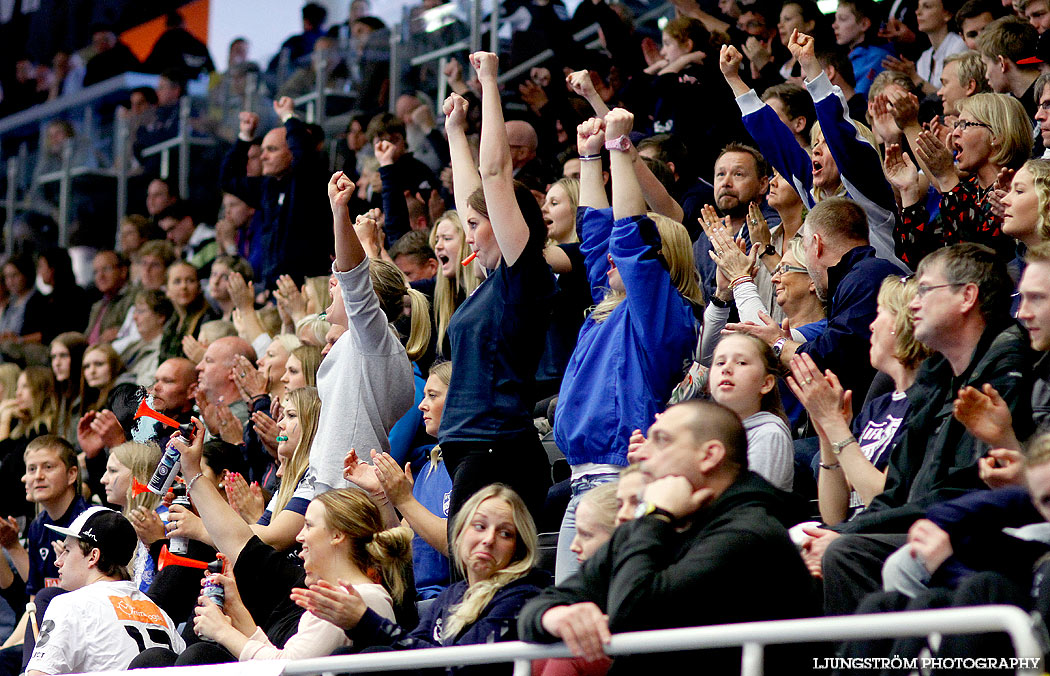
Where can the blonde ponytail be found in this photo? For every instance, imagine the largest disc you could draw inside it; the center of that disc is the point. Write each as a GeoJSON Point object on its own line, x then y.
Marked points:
{"type": "Point", "coordinates": [391, 552]}
{"type": "Point", "coordinates": [419, 335]}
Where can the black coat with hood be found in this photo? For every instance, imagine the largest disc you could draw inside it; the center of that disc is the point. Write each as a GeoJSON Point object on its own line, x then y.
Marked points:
{"type": "Point", "coordinates": [734, 562]}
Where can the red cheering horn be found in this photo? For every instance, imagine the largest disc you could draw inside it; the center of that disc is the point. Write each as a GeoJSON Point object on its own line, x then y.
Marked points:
{"type": "Point", "coordinates": [168, 559]}
{"type": "Point", "coordinates": [145, 411]}
{"type": "Point", "coordinates": [138, 488]}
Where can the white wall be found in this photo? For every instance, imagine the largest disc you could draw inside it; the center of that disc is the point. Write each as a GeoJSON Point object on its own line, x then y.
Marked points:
{"type": "Point", "coordinates": [266, 24]}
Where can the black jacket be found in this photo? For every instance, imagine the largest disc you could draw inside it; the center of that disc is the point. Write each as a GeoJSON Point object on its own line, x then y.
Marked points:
{"type": "Point", "coordinates": [936, 459]}
{"type": "Point", "coordinates": [733, 563]}
{"type": "Point", "coordinates": [296, 234]}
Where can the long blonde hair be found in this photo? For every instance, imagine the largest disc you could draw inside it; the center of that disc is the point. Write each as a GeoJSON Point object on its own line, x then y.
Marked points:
{"type": "Point", "coordinates": [815, 133]}
{"type": "Point", "coordinates": [41, 381]}
{"type": "Point", "coordinates": [1040, 171]}
{"type": "Point", "coordinates": [385, 555]}
{"type": "Point", "coordinates": [141, 459]}
{"type": "Point", "coordinates": [391, 286]}
{"type": "Point", "coordinates": [479, 594]}
{"type": "Point", "coordinates": [677, 249]}
{"type": "Point", "coordinates": [308, 406]}
{"type": "Point", "coordinates": [571, 186]}
{"type": "Point", "coordinates": [466, 281]}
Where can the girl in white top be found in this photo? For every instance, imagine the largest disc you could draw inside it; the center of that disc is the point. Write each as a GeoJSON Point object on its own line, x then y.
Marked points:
{"type": "Point", "coordinates": [743, 378]}
{"type": "Point", "coordinates": [365, 381]}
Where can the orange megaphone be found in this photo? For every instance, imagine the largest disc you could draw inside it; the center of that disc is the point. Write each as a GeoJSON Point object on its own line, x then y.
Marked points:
{"type": "Point", "coordinates": [138, 488]}
{"type": "Point", "coordinates": [168, 559]}
{"type": "Point", "coordinates": [145, 411]}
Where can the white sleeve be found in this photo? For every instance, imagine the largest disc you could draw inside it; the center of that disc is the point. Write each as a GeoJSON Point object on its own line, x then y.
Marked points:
{"type": "Point", "coordinates": [57, 649]}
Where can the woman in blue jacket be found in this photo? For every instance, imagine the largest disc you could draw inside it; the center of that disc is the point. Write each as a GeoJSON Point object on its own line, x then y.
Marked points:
{"type": "Point", "coordinates": [633, 347]}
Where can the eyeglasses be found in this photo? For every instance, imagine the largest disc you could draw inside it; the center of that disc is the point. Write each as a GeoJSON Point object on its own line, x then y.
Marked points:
{"type": "Point", "coordinates": [784, 268]}
{"type": "Point", "coordinates": [924, 289]}
{"type": "Point", "coordinates": [966, 124]}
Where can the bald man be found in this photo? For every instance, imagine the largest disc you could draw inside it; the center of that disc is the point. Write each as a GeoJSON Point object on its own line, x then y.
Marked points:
{"type": "Point", "coordinates": [528, 167]}
{"type": "Point", "coordinates": [215, 375]}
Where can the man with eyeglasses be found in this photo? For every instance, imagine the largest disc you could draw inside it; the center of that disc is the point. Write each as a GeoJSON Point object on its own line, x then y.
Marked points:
{"type": "Point", "coordinates": [961, 311]}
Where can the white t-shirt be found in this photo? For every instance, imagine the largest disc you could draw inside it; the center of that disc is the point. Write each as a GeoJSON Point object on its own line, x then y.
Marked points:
{"type": "Point", "coordinates": [100, 627]}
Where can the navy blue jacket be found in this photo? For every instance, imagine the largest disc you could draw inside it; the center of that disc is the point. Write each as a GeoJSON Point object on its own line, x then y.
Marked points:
{"type": "Point", "coordinates": [975, 524]}
{"type": "Point", "coordinates": [853, 287]}
{"type": "Point", "coordinates": [295, 232]}
{"type": "Point", "coordinates": [497, 622]}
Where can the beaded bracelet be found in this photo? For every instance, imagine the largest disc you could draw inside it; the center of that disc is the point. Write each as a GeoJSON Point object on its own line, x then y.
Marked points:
{"type": "Point", "coordinates": [740, 280]}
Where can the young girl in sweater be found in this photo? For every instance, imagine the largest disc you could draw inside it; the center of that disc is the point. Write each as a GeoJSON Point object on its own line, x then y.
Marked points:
{"type": "Point", "coordinates": [743, 378]}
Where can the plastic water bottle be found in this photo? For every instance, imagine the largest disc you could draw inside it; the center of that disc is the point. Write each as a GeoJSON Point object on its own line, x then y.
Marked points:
{"type": "Point", "coordinates": [170, 462]}
{"type": "Point", "coordinates": [213, 590]}
{"type": "Point", "coordinates": [179, 544]}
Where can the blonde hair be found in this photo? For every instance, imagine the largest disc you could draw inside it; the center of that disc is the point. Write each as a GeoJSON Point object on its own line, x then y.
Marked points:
{"type": "Point", "coordinates": [603, 500]}
{"type": "Point", "coordinates": [289, 341]}
{"type": "Point", "coordinates": [308, 406]}
{"type": "Point", "coordinates": [571, 186]}
{"type": "Point", "coordinates": [309, 357]}
{"type": "Point", "coordinates": [445, 294]}
{"type": "Point", "coordinates": [319, 286]}
{"type": "Point", "coordinates": [1008, 124]}
{"type": "Point", "coordinates": [895, 295]}
{"type": "Point", "coordinates": [865, 133]}
{"type": "Point", "coordinates": [9, 378]}
{"type": "Point", "coordinates": [392, 287]}
{"type": "Point", "coordinates": [312, 329]}
{"type": "Point", "coordinates": [141, 459]}
{"type": "Point", "coordinates": [215, 329]}
{"type": "Point", "coordinates": [1040, 171]}
{"type": "Point", "coordinates": [478, 595]}
{"type": "Point", "coordinates": [41, 381]}
{"type": "Point", "coordinates": [677, 250]}
{"type": "Point", "coordinates": [383, 555]}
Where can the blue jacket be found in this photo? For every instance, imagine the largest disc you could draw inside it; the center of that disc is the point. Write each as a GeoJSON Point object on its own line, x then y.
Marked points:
{"type": "Point", "coordinates": [859, 164]}
{"type": "Point", "coordinates": [624, 368]}
{"type": "Point", "coordinates": [867, 63]}
{"type": "Point", "coordinates": [853, 287]}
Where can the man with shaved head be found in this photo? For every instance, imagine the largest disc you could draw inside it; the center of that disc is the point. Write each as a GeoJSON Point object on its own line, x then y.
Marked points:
{"type": "Point", "coordinates": [295, 233]}
{"type": "Point", "coordinates": [707, 546]}
{"type": "Point", "coordinates": [215, 374]}
{"type": "Point", "coordinates": [528, 167]}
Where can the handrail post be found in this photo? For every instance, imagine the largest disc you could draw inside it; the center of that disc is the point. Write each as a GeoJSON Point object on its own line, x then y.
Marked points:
{"type": "Point", "coordinates": [751, 660]}
{"type": "Point", "coordinates": [120, 167]}
{"type": "Point", "coordinates": [320, 80]}
{"type": "Point", "coordinates": [12, 194]}
{"type": "Point", "coordinates": [395, 68]}
{"type": "Point", "coordinates": [184, 147]}
{"type": "Point", "coordinates": [23, 165]}
{"type": "Point", "coordinates": [475, 26]}
{"type": "Point", "coordinates": [64, 188]}
{"type": "Point", "coordinates": [494, 28]}
{"type": "Point", "coordinates": [251, 90]}
{"type": "Point", "coordinates": [442, 90]}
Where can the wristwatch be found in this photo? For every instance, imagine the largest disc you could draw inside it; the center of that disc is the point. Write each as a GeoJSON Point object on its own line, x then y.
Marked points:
{"type": "Point", "coordinates": [621, 143]}
{"type": "Point", "coordinates": [645, 508]}
{"type": "Point", "coordinates": [778, 346]}
{"type": "Point", "coordinates": [837, 447]}
{"type": "Point", "coordinates": [768, 251]}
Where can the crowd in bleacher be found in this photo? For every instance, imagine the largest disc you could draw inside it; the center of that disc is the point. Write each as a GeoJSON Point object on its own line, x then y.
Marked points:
{"type": "Point", "coordinates": [747, 309]}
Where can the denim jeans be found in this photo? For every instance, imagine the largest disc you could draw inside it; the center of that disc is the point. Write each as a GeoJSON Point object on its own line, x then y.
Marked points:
{"type": "Point", "coordinates": [566, 563]}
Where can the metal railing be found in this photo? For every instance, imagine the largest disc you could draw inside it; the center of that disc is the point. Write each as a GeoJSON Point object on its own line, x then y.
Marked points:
{"type": "Point", "coordinates": [752, 637]}
{"type": "Point", "coordinates": [182, 141]}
